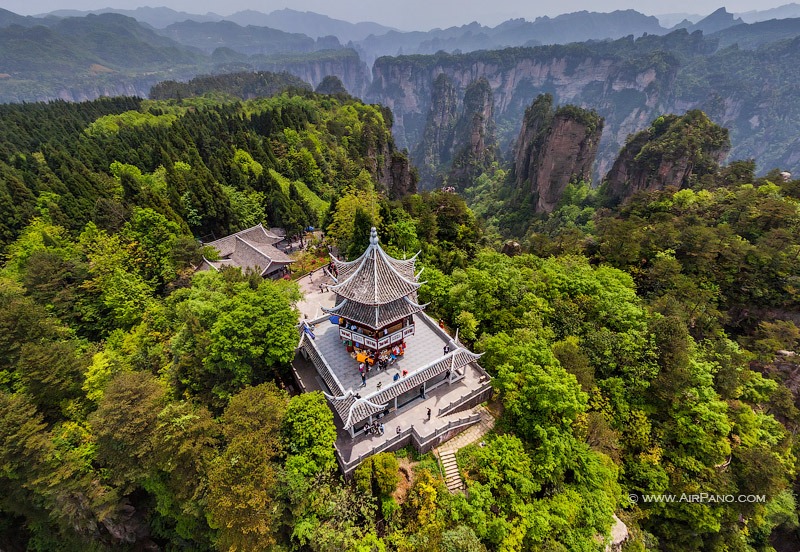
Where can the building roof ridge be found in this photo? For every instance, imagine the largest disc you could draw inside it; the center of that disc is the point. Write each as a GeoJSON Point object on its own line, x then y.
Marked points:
{"type": "Point", "coordinates": [363, 259]}
{"type": "Point", "coordinates": [414, 303]}
{"type": "Point", "coordinates": [235, 234]}
{"type": "Point", "coordinates": [210, 263]}
{"type": "Point", "coordinates": [335, 308]}
{"type": "Point", "coordinates": [452, 354]}
{"type": "Point", "coordinates": [254, 248]}
{"type": "Point", "coordinates": [267, 233]}
{"type": "Point", "coordinates": [389, 260]}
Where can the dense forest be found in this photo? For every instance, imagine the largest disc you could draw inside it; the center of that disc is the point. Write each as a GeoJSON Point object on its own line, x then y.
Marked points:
{"type": "Point", "coordinates": [641, 347]}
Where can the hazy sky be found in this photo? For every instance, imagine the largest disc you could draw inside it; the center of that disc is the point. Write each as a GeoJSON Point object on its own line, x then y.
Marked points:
{"type": "Point", "coordinates": [405, 14]}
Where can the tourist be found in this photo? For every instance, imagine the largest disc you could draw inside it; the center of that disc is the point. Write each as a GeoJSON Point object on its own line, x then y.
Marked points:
{"type": "Point", "coordinates": [363, 380]}
{"type": "Point", "coordinates": [446, 349]}
{"type": "Point", "coordinates": [429, 414]}
{"type": "Point", "coordinates": [396, 377]}
{"type": "Point", "coordinates": [382, 429]}
{"type": "Point", "coordinates": [441, 323]}
{"type": "Point", "coordinates": [398, 430]}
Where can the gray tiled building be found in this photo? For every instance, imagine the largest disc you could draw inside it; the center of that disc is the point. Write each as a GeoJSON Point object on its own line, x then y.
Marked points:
{"type": "Point", "coordinates": [254, 249]}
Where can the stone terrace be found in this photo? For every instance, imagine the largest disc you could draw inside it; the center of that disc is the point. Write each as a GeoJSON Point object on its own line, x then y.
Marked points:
{"type": "Point", "coordinates": [415, 415]}
{"type": "Point", "coordinates": [422, 348]}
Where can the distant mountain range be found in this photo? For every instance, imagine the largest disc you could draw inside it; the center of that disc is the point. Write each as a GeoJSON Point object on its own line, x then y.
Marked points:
{"type": "Point", "coordinates": [80, 58]}
{"type": "Point", "coordinates": [289, 30]}
{"type": "Point", "coordinates": [624, 64]}
{"type": "Point", "coordinates": [291, 21]}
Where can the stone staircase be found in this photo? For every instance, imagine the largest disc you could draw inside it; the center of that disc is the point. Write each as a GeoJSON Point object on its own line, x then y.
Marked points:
{"type": "Point", "coordinates": [450, 468]}
{"type": "Point", "coordinates": [447, 451]}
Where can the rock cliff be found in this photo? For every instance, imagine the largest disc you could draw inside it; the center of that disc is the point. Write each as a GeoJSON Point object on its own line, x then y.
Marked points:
{"type": "Point", "coordinates": [474, 139]}
{"type": "Point", "coordinates": [459, 137]}
{"type": "Point", "coordinates": [313, 68]}
{"type": "Point", "coordinates": [555, 147]}
{"type": "Point", "coordinates": [673, 151]}
{"type": "Point", "coordinates": [390, 167]}
{"type": "Point", "coordinates": [627, 93]}
{"type": "Point", "coordinates": [435, 149]}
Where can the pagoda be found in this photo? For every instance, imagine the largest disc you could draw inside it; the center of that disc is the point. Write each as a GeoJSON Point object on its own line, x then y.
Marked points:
{"type": "Point", "coordinates": [378, 358]}
{"type": "Point", "coordinates": [376, 298]}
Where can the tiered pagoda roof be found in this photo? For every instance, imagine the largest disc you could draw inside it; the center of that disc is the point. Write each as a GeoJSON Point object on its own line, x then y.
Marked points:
{"type": "Point", "coordinates": [378, 316]}
{"type": "Point", "coordinates": [375, 289]}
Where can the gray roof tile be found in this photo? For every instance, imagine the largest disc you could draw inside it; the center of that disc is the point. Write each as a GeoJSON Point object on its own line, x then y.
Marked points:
{"type": "Point", "coordinates": [375, 316]}
{"type": "Point", "coordinates": [257, 234]}
{"type": "Point", "coordinates": [375, 278]}
{"type": "Point", "coordinates": [249, 249]}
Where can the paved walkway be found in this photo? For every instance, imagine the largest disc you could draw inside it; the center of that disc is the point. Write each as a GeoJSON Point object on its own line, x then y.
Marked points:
{"type": "Point", "coordinates": [472, 434]}
{"type": "Point", "coordinates": [310, 306]}
{"type": "Point", "coordinates": [447, 452]}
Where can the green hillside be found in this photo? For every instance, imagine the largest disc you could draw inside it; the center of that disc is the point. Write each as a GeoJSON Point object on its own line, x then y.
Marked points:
{"type": "Point", "coordinates": [642, 351]}
{"type": "Point", "coordinates": [319, 205]}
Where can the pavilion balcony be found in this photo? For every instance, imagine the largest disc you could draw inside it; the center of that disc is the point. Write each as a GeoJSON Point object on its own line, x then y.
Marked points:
{"type": "Point", "coordinates": [362, 340]}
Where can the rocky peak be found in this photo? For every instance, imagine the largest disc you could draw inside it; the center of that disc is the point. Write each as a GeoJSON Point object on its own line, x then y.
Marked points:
{"type": "Point", "coordinates": [474, 140]}
{"type": "Point", "coordinates": [390, 167]}
{"type": "Point", "coordinates": [435, 149]}
{"type": "Point", "coordinates": [555, 147]}
{"type": "Point", "coordinates": [717, 21]}
{"type": "Point", "coordinates": [674, 151]}
{"type": "Point", "coordinates": [459, 137]}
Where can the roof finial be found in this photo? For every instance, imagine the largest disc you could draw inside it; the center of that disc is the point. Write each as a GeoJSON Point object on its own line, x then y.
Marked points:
{"type": "Point", "coordinates": [373, 236]}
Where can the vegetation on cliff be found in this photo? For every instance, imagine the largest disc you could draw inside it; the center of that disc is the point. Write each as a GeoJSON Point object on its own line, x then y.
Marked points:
{"type": "Point", "coordinates": [245, 85]}
{"type": "Point", "coordinates": [674, 151]}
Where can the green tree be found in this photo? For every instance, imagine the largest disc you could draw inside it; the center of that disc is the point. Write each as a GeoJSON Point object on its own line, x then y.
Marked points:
{"type": "Point", "coordinates": [243, 480]}
{"type": "Point", "coordinates": [124, 423]}
{"type": "Point", "coordinates": [309, 434]}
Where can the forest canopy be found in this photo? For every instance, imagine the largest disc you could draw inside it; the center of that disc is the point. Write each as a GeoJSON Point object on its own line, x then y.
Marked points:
{"type": "Point", "coordinates": [634, 349]}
